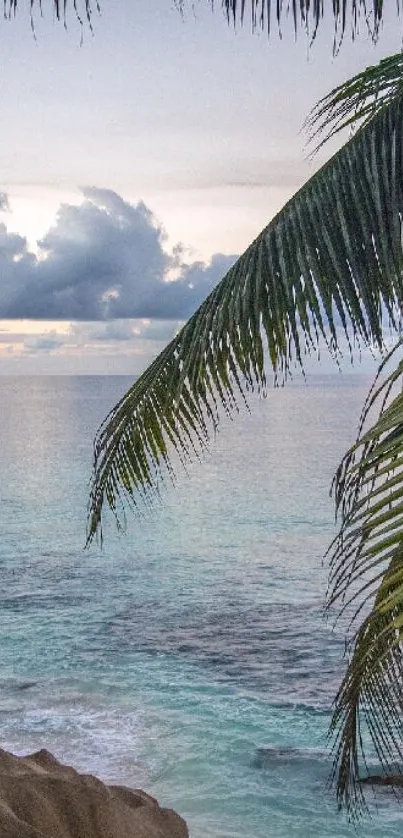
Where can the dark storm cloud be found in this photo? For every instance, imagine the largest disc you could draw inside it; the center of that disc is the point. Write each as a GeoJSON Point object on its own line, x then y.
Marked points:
{"type": "Point", "coordinates": [102, 260]}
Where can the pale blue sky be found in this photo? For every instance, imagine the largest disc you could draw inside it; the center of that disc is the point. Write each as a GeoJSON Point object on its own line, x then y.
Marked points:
{"type": "Point", "coordinates": [200, 123]}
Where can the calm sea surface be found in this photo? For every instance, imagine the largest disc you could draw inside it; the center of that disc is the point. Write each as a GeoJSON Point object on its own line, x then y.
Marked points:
{"type": "Point", "coordinates": [189, 657]}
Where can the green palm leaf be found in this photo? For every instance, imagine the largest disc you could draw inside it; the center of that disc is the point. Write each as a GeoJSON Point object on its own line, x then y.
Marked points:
{"type": "Point", "coordinates": [326, 266]}
{"type": "Point", "coordinates": [367, 573]}
{"type": "Point", "coordinates": [357, 100]}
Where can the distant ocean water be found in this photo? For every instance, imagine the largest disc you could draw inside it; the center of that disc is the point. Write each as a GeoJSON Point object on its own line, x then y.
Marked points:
{"type": "Point", "coordinates": [190, 657]}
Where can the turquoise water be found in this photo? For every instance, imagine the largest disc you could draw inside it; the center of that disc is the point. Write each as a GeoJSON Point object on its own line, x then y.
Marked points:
{"type": "Point", "coordinates": [191, 656]}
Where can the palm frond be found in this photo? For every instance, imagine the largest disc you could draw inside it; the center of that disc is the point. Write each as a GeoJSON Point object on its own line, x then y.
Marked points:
{"type": "Point", "coordinates": [367, 573]}
{"type": "Point", "coordinates": [83, 10]}
{"type": "Point", "coordinates": [370, 699]}
{"type": "Point", "coordinates": [307, 14]}
{"type": "Point", "coordinates": [328, 264]}
{"type": "Point", "coordinates": [356, 101]}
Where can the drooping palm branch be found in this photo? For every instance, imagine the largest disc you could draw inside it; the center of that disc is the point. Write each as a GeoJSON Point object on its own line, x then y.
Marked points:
{"type": "Point", "coordinates": [327, 268]}
{"type": "Point", "coordinates": [367, 579]}
{"type": "Point", "coordinates": [329, 264]}
{"type": "Point", "coordinates": [307, 15]}
{"type": "Point", "coordinates": [83, 10]}
{"type": "Point", "coordinates": [357, 100]}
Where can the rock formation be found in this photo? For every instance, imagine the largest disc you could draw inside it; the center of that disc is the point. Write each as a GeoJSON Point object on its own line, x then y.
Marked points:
{"type": "Point", "coordinates": [41, 798]}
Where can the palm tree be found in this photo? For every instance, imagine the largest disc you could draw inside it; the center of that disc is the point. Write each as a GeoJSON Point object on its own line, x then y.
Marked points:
{"type": "Point", "coordinates": [328, 268]}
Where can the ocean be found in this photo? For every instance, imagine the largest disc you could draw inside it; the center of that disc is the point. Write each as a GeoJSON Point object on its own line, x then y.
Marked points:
{"type": "Point", "coordinates": [190, 656]}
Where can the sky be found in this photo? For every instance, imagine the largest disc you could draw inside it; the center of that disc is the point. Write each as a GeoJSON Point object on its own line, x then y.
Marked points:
{"type": "Point", "coordinates": [137, 162]}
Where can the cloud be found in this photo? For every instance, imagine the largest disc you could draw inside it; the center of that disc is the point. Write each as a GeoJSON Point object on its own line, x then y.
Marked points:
{"type": "Point", "coordinates": [158, 330]}
{"type": "Point", "coordinates": [43, 344]}
{"type": "Point", "coordinates": [104, 259]}
{"type": "Point", "coordinates": [123, 331]}
{"type": "Point", "coordinates": [4, 205]}
{"type": "Point", "coordinates": [114, 330]}
{"type": "Point", "coordinates": [119, 347]}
